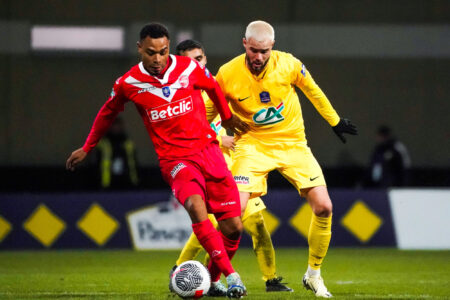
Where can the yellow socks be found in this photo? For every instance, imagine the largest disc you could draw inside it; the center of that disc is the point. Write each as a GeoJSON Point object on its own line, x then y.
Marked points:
{"type": "Point", "coordinates": [262, 244]}
{"type": "Point", "coordinates": [318, 239]}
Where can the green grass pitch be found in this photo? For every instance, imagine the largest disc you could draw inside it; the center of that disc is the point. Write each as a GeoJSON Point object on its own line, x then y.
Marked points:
{"type": "Point", "coordinates": [365, 273]}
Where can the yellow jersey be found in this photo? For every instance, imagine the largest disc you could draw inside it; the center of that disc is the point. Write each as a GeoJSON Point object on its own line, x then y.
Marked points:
{"type": "Point", "coordinates": [268, 102]}
{"type": "Point", "coordinates": [213, 118]}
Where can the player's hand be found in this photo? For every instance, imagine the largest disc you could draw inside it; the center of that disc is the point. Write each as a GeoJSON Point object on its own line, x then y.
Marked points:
{"type": "Point", "coordinates": [75, 158]}
{"type": "Point", "coordinates": [236, 125]}
{"type": "Point", "coordinates": [345, 126]}
{"type": "Point", "coordinates": [228, 142]}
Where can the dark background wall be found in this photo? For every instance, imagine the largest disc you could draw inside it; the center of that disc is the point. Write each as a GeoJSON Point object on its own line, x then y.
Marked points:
{"type": "Point", "coordinates": [49, 101]}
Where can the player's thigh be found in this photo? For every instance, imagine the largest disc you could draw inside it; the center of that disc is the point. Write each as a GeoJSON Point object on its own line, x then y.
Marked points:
{"type": "Point", "coordinates": [184, 178]}
{"type": "Point", "coordinates": [301, 168]}
{"type": "Point", "coordinates": [223, 197]}
{"type": "Point", "coordinates": [244, 197]}
{"type": "Point", "coordinates": [196, 208]}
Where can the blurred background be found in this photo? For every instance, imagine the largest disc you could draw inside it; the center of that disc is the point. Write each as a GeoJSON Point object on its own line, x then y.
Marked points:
{"type": "Point", "coordinates": [383, 64]}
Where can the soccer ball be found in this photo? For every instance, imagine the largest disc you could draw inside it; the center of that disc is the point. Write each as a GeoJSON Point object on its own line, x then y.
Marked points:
{"type": "Point", "coordinates": [190, 279]}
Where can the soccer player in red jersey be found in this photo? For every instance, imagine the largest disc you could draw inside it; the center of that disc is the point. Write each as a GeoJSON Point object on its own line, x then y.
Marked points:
{"type": "Point", "coordinates": [166, 91]}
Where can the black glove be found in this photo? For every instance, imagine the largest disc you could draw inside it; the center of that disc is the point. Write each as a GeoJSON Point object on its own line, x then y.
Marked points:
{"type": "Point", "coordinates": [345, 126]}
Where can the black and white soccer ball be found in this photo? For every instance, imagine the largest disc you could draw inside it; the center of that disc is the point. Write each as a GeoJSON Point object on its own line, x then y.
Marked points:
{"type": "Point", "coordinates": [190, 279]}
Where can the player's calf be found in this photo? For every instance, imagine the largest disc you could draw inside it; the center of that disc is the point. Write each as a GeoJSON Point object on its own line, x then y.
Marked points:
{"type": "Point", "coordinates": [212, 242]}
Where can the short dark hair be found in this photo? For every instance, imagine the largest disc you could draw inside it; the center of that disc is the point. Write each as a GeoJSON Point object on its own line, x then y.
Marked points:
{"type": "Point", "coordinates": [187, 45]}
{"type": "Point", "coordinates": [155, 31]}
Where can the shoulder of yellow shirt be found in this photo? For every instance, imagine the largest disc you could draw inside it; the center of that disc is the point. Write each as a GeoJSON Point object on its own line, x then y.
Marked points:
{"type": "Point", "coordinates": [280, 58]}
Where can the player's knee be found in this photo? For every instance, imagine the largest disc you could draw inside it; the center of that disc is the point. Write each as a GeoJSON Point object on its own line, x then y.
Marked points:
{"type": "Point", "coordinates": [238, 227]}
{"type": "Point", "coordinates": [233, 228]}
{"type": "Point", "coordinates": [235, 235]}
{"type": "Point", "coordinates": [195, 206]}
{"type": "Point", "coordinates": [323, 209]}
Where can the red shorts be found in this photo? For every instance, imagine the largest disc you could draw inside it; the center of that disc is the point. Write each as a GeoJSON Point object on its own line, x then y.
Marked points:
{"type": "Point", "coordinates": [204, 173]}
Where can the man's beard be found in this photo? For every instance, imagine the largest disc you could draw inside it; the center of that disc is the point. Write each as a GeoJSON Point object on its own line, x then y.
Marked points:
{"type": "Point", "coordinates": [249, 64]}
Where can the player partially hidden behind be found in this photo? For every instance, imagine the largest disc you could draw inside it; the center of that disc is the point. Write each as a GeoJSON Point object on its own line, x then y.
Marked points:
{"type": "Point", "coordinates": [260, 87]}
{"type": "Point", "coordinates": [390, 161]}
{"type": "Point", "coordinates": [116, 158]}
{"type": "Point", "coordinates": [252, 218]}
{"type": "Point", "coordinates": [166, 91]}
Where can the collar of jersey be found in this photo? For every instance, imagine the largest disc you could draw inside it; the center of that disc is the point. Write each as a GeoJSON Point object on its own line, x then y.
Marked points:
{"type": "Point", "coordinates": [165, 79]}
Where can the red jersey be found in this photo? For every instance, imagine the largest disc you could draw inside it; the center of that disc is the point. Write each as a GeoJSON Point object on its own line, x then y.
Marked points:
{"type": "Point", "coordinates": [170, 105]}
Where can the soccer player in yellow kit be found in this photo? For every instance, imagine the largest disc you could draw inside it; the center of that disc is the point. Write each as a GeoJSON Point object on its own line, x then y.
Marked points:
{"type": "Point", "coordinates": [252, 217]}
{"type": "Point", "coordinates": [259, 86]}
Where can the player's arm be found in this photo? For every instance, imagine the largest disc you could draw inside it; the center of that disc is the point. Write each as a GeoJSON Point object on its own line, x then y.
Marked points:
{"type": "Point", "coordinates": [303, 79]}
{"type": "Point", "coordinates": [211, 111]}
{"type": "Point", "coordinates": [105, 117]}
{"type": "Point", "coordinates": [207, 83]}
{"type": "Point", "coordinates": [225, 141]}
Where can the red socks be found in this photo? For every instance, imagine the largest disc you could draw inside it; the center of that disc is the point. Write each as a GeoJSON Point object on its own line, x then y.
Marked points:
{"type": "Point", "coordinates": [231, 247]}
{"type": "Point", "coordinates": [215, 244]}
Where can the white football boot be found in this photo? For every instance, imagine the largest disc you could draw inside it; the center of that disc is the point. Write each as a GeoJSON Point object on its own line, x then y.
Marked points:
{"type": "Point", "coordinates": [315, 284]}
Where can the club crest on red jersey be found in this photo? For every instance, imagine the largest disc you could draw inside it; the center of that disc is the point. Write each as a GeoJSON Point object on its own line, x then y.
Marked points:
{"type": "Point", "coordinates": [184, 81]}
{"type": "Point", "coordinates": [166, 91]}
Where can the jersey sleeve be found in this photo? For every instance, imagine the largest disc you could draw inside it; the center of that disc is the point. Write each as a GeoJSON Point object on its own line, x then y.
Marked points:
{"type": "Point", "coordinates": [205, 81]}
{"type": "Point", "coordinates": [219, 79]}
{"type": "Point", "coordinates": [303, 80]}
{"type": "Point", "coordinates": [105, 117]}
{"type": "Point", "coordinates": [211, 111]}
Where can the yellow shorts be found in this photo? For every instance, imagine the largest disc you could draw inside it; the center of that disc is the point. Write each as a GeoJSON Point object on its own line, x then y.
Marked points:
{"type": "Point", "coordinates": [253, 205]}
{"type": "Point", "coordinates": [253, 161]}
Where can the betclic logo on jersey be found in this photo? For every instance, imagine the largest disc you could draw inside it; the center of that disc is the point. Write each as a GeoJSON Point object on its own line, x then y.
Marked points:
{"type": "Point", "coordinates": [170, 110]}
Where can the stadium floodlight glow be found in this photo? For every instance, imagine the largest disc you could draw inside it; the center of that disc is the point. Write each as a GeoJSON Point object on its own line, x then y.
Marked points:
{"type": "Point", "coordinates": [75, 38]}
